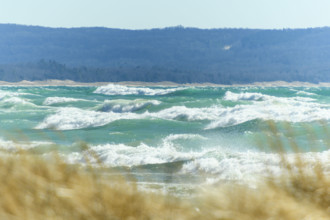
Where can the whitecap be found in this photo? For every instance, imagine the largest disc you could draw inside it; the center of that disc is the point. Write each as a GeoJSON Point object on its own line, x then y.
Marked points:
{"type": "Point", "coordinates": [123, 105]}
{"type": "Point", "coordinates": [6, 94]}
{"type": "Point", "coordinates": [219, 163]}
{"type": "Point", "coordinates": [248, 166]}
{"type": "Point", "coordinates": [69, 118]}
{"type": "Point", "coordinates": [21, 145]}
{"type": "Point", "coordinates": [173, 137]}
{"type": "Point", "coordinates": [114, 155]}
{"type": "Point", "coordinates": [57, 100]}
{"type": "Point", "coordinates": [290, 110]}
{"type": "Point", "coordinates": [16, 102]}
{"type": "Point", "coordinates": [295, 109]}
{"type": "Point", "coordinates": [305, 93]}
{"type": "Point", "coordinates": [184, 113]}
{"type": "Point", "coordinates": [74, 118]}
{"type": "Point", "coordinates": [123, 155]}
{"type": "Point", "coordinates": [113, 89]}
{"type": "Point", "coordinates": [244, 96]}
{"type": "Point", "coordinates": [265, 107]}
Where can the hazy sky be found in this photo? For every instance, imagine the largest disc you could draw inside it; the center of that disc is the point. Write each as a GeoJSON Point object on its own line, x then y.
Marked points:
{"type": "Point", "coordinates": [142, 14]}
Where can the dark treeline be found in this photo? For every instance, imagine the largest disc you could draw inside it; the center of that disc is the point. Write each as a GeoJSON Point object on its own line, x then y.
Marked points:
{"type": "Point", "coordinates": [175, 54]}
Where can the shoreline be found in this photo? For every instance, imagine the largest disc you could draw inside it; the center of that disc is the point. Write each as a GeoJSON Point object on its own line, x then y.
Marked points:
{"type": "Point", "coordinates": [162, 84]}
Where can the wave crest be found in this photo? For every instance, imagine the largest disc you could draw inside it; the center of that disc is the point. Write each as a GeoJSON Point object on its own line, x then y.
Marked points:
{"type": "Point", "coordinates": [245, 96]}
{"type": "Point", "coordinates": [122, 105]}
{"type": "Point", "coordinates": [58, 100]}
{"type": "Point", "coordinates": [113, 89]}
{"type": "Point", "coordinates": [75, 118]}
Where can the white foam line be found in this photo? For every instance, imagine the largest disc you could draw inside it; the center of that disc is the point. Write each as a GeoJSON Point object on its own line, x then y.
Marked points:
{"type": "Point", "coordinates": [57, 100]}
{"type": "Point", "coordinates": [113, 89]}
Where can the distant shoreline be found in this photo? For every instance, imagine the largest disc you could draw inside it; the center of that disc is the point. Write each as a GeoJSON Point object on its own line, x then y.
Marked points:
{"type": "Point", "coordinates": [162, 84]}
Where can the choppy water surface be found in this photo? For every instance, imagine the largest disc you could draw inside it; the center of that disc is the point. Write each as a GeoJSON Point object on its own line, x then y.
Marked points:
{"type": "Point", "coordinates": [166, 136]}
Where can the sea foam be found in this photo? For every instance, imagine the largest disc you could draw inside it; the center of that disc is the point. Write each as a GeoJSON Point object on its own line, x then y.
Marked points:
{"type": "Point", "coordinates": [298, 109]}
{"type": "Point", "coordinates": [57, 100]}
{"type": "Point", "coordinates": [19, 145]}
{"type": "Point", "coordinates": [213, 162]}
{"type": "Point", "coordinates": [248, 166]}
{"type": "Point", "coordinates": [70, 118]}
{"type": "Point", "coordinates": [166, 151]}
{"type": "Point", "coordinates": [123, 105]}
{"type": "Point", "coordinates": [259, 106]}
{"type": "Point", "coordinates": [230, 96]}
{"type": "Point", "coordinates": [113, 89]}
{"type": "Point", "coordinates": [291, 109]}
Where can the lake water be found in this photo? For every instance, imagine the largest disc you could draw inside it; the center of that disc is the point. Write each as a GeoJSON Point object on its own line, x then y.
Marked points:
{"type": "Point", "coordinates": [165, 136]}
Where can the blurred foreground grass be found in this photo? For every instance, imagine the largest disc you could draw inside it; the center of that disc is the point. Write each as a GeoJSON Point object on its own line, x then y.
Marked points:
{"type": "Point", "coordinates": [35, 187]}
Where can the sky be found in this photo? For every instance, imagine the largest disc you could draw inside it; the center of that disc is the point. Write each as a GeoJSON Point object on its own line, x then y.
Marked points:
{"type": "Point", "coordinates": [147, 14]}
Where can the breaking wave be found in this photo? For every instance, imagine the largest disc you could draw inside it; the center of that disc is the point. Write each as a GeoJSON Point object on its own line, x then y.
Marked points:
{"type": "Point", "coordinates": [159, 133]}
{"type": "Point", "coordinates": [19, 145]}
{"type": "Point", "coordinates": [70, 118]}
{"type": "Point", "coordinates": [13, 100]}
{"type": "Point", "coordinates": [5, 94]}
{"type": "Point", "coordinates": [245, 96]}
{"type": "Point", "coordinates": [123, 155]}
{"type": "Point", "coordinates": [305, 93]}
{"type": "Point", "coordinates": [16, 103]}
{"type": "Point", "coordinates": [249, 165]}
{"type": "Point", "coordinates": [123, 105]}
{"type": "Point", "coordinates": [215, 162]}
{"type": "Point", "coordinates": [74, 118]}
{"type": "Point", "coordinates": [113, 89]}
{"type": "Point", "coordinates": [297, 109]}
{"type": "Point", "coordinates": [294, 109]}
{"type": "Point", "coordinates": [251, 96]}
{"type": "Point", "coordinates": [57, 100]}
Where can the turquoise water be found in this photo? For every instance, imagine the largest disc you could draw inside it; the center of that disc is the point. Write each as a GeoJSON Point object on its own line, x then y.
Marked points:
{"type": "Point", "coordinates": [169, 135]}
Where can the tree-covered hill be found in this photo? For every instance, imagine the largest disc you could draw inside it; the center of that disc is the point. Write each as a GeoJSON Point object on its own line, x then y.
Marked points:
{"type": "Point", "coordinates": [172, 54]}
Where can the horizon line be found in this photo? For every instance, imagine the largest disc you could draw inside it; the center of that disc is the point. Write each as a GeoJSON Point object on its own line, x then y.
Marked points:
{"type": "Point", "coordinates": [167, 27]}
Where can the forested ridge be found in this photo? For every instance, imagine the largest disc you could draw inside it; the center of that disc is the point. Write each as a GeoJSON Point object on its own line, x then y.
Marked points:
{"type": "Point", "coordinates": [178, 54]}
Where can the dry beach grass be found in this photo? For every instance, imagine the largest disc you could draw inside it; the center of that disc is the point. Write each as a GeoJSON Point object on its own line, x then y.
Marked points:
{"type": "Point", "coordinates": [35, 187]}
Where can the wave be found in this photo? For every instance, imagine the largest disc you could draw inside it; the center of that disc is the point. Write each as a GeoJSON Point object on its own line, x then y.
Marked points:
{"type": "Point", "coordinates": [174, 137]}
{"type": "Point", "coordinates": [216, 162]}
{"type": "Point", "coordinates": [305, 93]}
{"type": "Point", "coordinates": [112, 89]}
{"type": "Point", "coordinates": [278, 109]}
{"type": "Point", "coordinates": [245, 96]}
{"type": "Point", "coordinates": [22, 145]}
{"type": "Point", "coordinates": [13, 100]}
{"type": "Point", "coordinates": [117, 155]}
{"type": "Point", "coordinates": [123, 105]}
{"type": "Point", "coordinates": [70, 118]}
{"type": "Point", "coordinates": [251, 96]}
{"type": "Point", "coordinates": [296, 109]}
{"type": "Point", "coordinates": [6, 94]}
{"type": "Point", "coordinates": [249, 165]}
{"type": "Point", "coordinates": [16, 100]}
{"type": "Point", "coordinates": [16, 103]}
{"type": "Point", "coordinates": [183, 113]}
{"type": "Point", "coordinates": [58, 100]}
